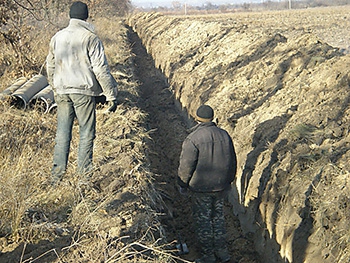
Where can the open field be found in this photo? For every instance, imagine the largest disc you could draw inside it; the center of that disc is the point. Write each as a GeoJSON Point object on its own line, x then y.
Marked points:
{"type": "Point", "coordinates": [127, 214]}
{"type": "Point", "coordinates": [279, 83]}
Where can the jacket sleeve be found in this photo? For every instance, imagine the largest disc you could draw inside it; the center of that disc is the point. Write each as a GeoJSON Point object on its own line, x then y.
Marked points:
{"type": "Point", "coordinates": [50, 63]}
{"type": "Point", "coordinates": [188, 162]}
{"type": "Point", "coordinates": [234, 161]}
{"type": "Point", "coordinates": [101, 69]}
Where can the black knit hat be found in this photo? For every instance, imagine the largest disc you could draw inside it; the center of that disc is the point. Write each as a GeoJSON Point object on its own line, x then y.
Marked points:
{"type": "Point", "coordinates": [205, 113]}
{"type": "Point", "coordinates": [79, 10]}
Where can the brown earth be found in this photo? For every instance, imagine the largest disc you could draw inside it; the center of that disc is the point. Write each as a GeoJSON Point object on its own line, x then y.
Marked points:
{"type": "Point", "coordinates": [169, 128]}
{"type": "Point", "coordinates": [132, 211]}
{"type": "Point", "coordinates": [279, 83]}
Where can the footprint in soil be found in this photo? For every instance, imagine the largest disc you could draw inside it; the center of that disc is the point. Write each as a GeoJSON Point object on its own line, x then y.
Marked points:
{"type": "Point", "coordinates": [168, 132]}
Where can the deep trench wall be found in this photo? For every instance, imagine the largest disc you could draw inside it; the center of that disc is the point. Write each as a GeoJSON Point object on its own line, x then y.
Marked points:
{"type": "Point", "coordinates": [283, 95]}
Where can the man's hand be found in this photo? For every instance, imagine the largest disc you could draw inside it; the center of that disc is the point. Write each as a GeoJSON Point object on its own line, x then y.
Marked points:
{"type": "Point", "coordinates": [112, 106]}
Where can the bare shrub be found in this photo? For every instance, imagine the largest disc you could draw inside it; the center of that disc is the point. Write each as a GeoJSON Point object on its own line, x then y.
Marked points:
{"type": "Point", "coordinates": [114, 216]}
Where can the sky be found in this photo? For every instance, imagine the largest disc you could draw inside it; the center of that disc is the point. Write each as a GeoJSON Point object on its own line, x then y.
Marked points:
{"type": "Point", "coordinates": [168, 3]}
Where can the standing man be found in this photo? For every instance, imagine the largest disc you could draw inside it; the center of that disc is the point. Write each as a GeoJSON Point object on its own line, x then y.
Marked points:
{"type": "Point", "coordinates": [207, 168]}
{"type": "Point", "coordinates": [78, 71]}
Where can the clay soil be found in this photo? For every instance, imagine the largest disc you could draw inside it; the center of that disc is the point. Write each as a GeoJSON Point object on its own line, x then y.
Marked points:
{"type": "Point", "coordinates": [279, 83]}
{"type": "Point", "coordinates": [130, 210]}
{"type": "Point", "coordinates": [170, 127]}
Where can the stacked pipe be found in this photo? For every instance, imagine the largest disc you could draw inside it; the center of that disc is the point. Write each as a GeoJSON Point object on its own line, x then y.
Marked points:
{"type": "Point", "coordinates": [33, 93]}
{"type": "Point", "coordinates": [25, 93]}
{"type": "Point", "coordinates": [17, 84]}
{"type": "Point", "coordinates": [43, 100]}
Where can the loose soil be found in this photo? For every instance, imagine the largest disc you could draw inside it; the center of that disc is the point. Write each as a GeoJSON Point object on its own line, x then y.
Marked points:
{"type": "Point", "coordinates": [132, 201]}
{"type": "Point", "coordinates": [279, 83]}
{"type": "Point", "coordinates": [169, 128]}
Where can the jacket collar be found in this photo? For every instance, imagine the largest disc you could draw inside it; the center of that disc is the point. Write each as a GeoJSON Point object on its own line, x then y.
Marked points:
{"type": "Point", "coordinates": [202, 125]}
{"type": "Point", "coordinates": [81, 23]}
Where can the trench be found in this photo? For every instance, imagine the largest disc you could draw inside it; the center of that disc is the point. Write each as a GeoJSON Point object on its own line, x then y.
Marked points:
{"type": "Point", "coordinates": [168, 127]}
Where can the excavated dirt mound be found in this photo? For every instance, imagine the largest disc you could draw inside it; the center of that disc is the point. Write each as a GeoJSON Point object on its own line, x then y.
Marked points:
{"type": "Point", "coordinates": [130, 210]}
{"type": "Point", "coordinates": [279, 83]}
{"type": "Point", "coordinates": [168, 128]}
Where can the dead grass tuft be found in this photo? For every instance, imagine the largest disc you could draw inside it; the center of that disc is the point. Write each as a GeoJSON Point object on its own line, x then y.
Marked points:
{"type": "Point", "coordinates": [113, 217]}
{"type": "Point", "coordinates": [330, 201]}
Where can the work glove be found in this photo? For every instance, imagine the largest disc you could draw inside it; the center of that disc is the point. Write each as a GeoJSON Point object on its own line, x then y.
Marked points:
{"type": "Point", "coordinates": [183, 191]}
{"type": "Point", "coordinates": [112, 106]}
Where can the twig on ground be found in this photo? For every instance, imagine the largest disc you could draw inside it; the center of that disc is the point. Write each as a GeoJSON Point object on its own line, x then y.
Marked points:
{"type": "Point", "coordinates": [146, 248]}
{"type": "Point", "coordinates": [47, 252]}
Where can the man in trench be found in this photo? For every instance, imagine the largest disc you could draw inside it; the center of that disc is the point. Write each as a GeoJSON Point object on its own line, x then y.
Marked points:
{"type": "Point", "coordinates": [207, 168]}
{"type": "Point", "coordinates": [78, 71]}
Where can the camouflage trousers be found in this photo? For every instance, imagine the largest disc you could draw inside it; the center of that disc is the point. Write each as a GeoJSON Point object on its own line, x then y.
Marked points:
{"type": "Point", "coordinates": [209, 222]}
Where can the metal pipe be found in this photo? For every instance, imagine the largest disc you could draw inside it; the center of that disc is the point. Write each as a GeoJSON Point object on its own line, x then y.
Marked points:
{"type": "Point", "coordinates": [23, 95]}
{"type": "Point", "coordinates": [43, 100]}
{"type": "Point", "coordinates": [53, 108]}
{"type": "Point", "coordinates": [12, 88]}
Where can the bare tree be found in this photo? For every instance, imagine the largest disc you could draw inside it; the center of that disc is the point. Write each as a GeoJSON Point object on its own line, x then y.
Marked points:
{"type": "Point", "coordinates": [176, 5]}
{"type": "Point", "coordinates": [19, 17]}
{"type": "Point", "coordinates": [110, 8]}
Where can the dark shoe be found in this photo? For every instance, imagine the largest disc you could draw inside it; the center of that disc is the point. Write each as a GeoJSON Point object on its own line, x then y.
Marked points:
{"type": "Point", "coordinates": [225, 260]}
{"type": "Point", "coordinates": [206, 259]}
{"type": "Point", "coordinates": [223, 255]}
{"type": "Point", "coordinates": [228, 261]}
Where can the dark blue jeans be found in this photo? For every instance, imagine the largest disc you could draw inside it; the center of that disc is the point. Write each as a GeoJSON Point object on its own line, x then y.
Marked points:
{"type": "Point", "coordinates": [69, 107]}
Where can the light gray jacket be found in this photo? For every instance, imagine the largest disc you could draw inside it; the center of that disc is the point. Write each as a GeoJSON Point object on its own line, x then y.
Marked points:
{"type": "Point", "coordinates": [76, 63]}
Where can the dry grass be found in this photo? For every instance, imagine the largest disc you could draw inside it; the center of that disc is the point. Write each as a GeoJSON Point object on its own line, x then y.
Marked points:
{"type": "Point", "coordinates": [112, 219]}
{"type": "Point", "coordinates": [330, 202]}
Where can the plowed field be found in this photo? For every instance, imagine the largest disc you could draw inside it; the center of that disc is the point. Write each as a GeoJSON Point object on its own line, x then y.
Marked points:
{"type": "Point", "coordinates": [279, 83]}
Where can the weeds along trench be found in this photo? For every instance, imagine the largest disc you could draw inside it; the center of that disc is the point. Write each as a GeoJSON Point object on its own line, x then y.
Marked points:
{"type": "Point", "coordinates": [278, 85]}
{"type": "Point", "coordinates": [132, 212]}
{"type": "Point", "coordinates": [280, 89]}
